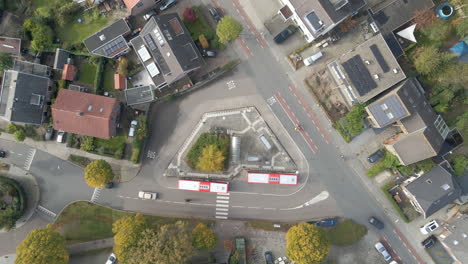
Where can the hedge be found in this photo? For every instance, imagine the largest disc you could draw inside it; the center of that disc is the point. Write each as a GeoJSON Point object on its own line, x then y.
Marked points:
{"type": "Point", "coordinates": [20, 206]}
{"type": "Point", "coordinates": [98, 79]}
{"type": "Point", "coordinates": [393, 202]}
{"type": "Point", "coordinates": [79, 160]}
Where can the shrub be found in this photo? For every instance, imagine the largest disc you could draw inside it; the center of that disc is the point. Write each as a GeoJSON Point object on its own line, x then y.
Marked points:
{"type": "Point", "coordinates": [388, 162]}
{"type": "Point", "coordinates": [87, 143]}
{"type": "Point", "coordinates": [15, 210]}
{"type": "Point", "coordinates": [19, 135]}
{"type": "Point", "coordinates": [79, 160]}
{"type": "Point", "coordinates": [189, 15]}
{"type": "Point", "coordinates": [62, 84]}
{"type": "Point", "coordinates": [6, 61]}
{"type": "Point", "coordinates": [459, 165]}
{"type": "Point", "coordinates": [440, 30]}
{"type": "Point", "coordinates": [11, 128]}
{"type": "Point", "coordinates": [203, 41]}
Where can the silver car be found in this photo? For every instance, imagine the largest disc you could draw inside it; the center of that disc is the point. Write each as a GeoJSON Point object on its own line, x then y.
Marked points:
{"type": "Point", "coordinates": [383, 251]}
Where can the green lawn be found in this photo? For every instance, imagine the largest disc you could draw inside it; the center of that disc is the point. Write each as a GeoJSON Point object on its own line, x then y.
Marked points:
{"type": "Point", "coordinates": [75, 32]}
{"type": "Point", "coordinates": [346, 233]}
{"type": "Point", "coordinates": [84, 221]}
{"type": "Point", "coordinates": [87, 73]}
{"type": "Point", "coordinates": [110, 145]}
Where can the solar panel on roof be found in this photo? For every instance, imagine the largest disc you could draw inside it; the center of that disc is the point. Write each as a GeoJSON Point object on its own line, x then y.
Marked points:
{"type": "Point", "coordinates": [150, 41]}
{"type": "Point", "coordinates": [380, 59]}
{"type": "Point", "coordinates": [114, 46]}
{"type": "Point", "coordinates": [359, 75]}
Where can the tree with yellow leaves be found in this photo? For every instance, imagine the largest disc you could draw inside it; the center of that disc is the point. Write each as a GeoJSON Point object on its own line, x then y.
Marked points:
{"type": "Point", "coordinates": [306, 244]}
{"type": "Point", "coordinates": [127, 232]}
{"type": "Point", "coordinates": [98, 173]}
{"type": "Point", "coordinates": [203, 237]}
{"type": "Point", "coordinates": [211, 159]}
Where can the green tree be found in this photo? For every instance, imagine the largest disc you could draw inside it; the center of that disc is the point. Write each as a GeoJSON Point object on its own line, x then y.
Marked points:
{"type": "Point", "coordinates": [440, 30]}
{"type": "Point", "coordinates": [87, 143]}
{"type": "Point", "coordinates": [355, 120]}
{"type": "Point", "coordinates": [42, 37]}
{"type": "Point", "coordinates": [42, 246]}
{"type": "Point", "coordinates": [19, 135]}
{"type": "Point", "coordinates": [98, 173]}
{"type": "Point", "coordinates": [228, 29]}
{"type": "Point", "coordinates": [462, 124]}
{"type": "Point", "coordinates": [122, 68]}
{"type": "Point", "coordinates": [167, 245]}
{"type": "Point", "coordinates": [65, 12]}
{"type": "Point", "coordinates": [127, 232]}
{"type": "Point", "coordinates": [459, 165]}
{"type": "Point", "coordinates": [203, 237]}
{"type": "Point", "coordinates": [429, 59]}
{"type": "Point", "coordinates": [455, 75]}
{"type": "Point", "coordinates": [6, 62]}
{"type": "Point", "coordinates": [306, 244]}
{"type": "Point", "coordinates": [8, 217]}
{"type": "Point", "coordinates": [211, 159]}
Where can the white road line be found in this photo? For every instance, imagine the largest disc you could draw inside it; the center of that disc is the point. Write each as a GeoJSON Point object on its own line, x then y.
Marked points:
{"type": "Point", "coordinates": [269, 208]}
{"type": "Point", "coordinates": [223, 197]}
{"type": "Point", "coordinates": [238, 206]}
{"type": "Point", "coordinates": [46, 211]}
{"type": "Point", "coordinates": [222, 209]}
{"type": "Point", "coordinates": [224, 194]}
{"type": "Point", "coordinates": [221, 213]}
{"type": "Point", "coordinates": [29, 159]}
{"type": "Point", "coordinates": [253, 207]}
{"type": "Point", "coordinates": [222, 201]}
{"type": "Point", "coordinates": [222, 205]}
{"type": "Point", "coordinates": [221, 217]}
{"type": "Point", "coordinates": [96, 194]}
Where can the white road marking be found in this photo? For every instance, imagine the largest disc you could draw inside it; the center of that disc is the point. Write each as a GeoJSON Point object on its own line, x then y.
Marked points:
{"type": "Point", "coordinates": [222, 201]}
{"type": "Point", "coordinates": [222, 205]}
{"type": "Point", "coordinates": [238, 206]}
{"type": "Point", "coordinates": [221, 213]}
{"type": "Point", "coordinates": [29, 159]}
{"type": "Point", "coordinates": [223, 194]}
{"type": "Point", "coordinates": [151, 154]}
{"type": "Point", "coordinates": [222, 209]}
{"type": "Point", "coordinates": [271, 100]}
{"type": "Point", "coordinates": [223, 197]}
{"type": "Point", "coordinates": [46, 211]}
{"type": "Point", "coordinates": [221, 217]}
{"type": "Point", "coordinates": [96, 194]}
{"type": "Point", "coordinates": [231, 85]}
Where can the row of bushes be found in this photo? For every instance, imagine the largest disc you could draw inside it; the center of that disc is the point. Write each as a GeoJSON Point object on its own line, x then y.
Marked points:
{"type": "Point", "coordinates": [18, 205]}
{"type": "Point", "coordinates": [141, 133]}
{"type": "Point", "coordinates": [389, 161]}
{"type": "Point", "coordinates": [79, 160]}
{"type": "Point", "coordinates": [99, 78]}
{"type": "Point", "coordinates": [385, 189]}
{"type": "Point", "coordinates": [21, 132]}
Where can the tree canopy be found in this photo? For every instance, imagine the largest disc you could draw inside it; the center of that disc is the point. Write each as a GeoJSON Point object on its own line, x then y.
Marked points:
{"type": "Point", "coordinates": [459, 165]}
{"type": "Point", "coordinates": [122, 68]}
{"type": "Point", "coordinates": [429, 59]}
{"type": "Point", "coordinates": [228, 29]}
{"type": "Point", "coordinates": [19, 135]}
{"type": "Point", "coordinates": [211, 159]}
{"type": "Point", "coordinates": [203, 237]}
{"type": "Point", "coordinates": [98, 173]}
{"type": "Point", "coordinates": [42, 246]}
{"type": "Point", "coordinates": [307, 244]}
{"type": "Point", "coordinates": [127, 232]}
{"type": "Point", "coordinates": [6, 61]}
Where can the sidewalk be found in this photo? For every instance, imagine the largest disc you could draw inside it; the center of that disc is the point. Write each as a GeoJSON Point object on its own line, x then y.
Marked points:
{"type": "Point", "coordinates": [90, 245]}
{"type": "Point", "coordinates": [126, 169]}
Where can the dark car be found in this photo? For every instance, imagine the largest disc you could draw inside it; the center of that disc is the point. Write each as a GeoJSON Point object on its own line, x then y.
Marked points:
{"type": "Point", "coordinates": [110, 185]}
{"type": "Point", "coordinates": [429, 242]}
{"type": "Point", "coordinates": [166, 4]}
{"type": "Point", "coordinates": [285, 34]}
{"type": "Point", "coordinates": [328, 222]}
{"type": "Point", "coordinates": [49, 133]}
{"type": "Point", "coordinates": [376, 222]}
{"type": "Point", "coordinates": [269, 257]}
{"type": "Point", "coordinates": [215, 14]}
{"type": "Point", "coordinates": [376, 156]}
{"type": "Point", "coordinates": [208, 53]}
{"type": "Point", "coordinates": [2, 153]}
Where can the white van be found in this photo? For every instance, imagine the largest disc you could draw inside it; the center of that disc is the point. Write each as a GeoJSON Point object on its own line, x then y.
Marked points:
{"type": "Point", "coordinates": [312, 59]}
{"type": "Point", "coordinates": [133, 125]}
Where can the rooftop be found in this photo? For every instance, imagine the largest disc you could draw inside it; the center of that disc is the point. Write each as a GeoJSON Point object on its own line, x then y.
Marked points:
{"type": "Point", "coordinates": [68, 72]}
{"type": "Point", "coordinates": [31, 68]}
{"type": "Point", "coordinates": [367, 70]}
{"type": "Point", "coordinates": [457, 237]}
{"type": "Point", "coordinates": [61, 58]}
{"type": "Point", "coordinates": [10, 46]}
{"type": "Point", "coordinates": [139, 95]}
{"type": "Point", "coordinates": [109, 41]}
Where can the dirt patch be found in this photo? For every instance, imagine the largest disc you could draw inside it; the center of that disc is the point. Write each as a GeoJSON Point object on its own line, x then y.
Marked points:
{"type": "Point", "coordinates": [326, 93]}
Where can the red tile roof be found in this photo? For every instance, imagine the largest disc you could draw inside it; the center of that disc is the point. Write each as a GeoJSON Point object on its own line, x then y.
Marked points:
{"type": "Point", "coordinates": [85, 114]}
{"type": "Point", "coordinates": [120, 83]}
{"type": "Point", "coordinates": [68, 72]}
{"type": "Point", "coordinates": [130, 3]}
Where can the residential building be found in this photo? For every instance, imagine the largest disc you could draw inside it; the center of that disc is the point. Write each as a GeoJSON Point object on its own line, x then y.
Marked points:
{"type": "Point", "coordinates": [366, 71]}
{"type": "Point", "coordinates": [137, 7]}
{"type": "Point", "coordinates": [61, 58]}
{"type": "Point", "coordinates": [389, 15]}
{"type": "Point", "coordinates": [120, 82]}
{"type": "Point", "coordinates": [167, 50]}
{"type": "Point", "coordinates": [431, 191]}
{"type": "Point", "coordinates": [110, 41]}
{"type": "Point", "coordinates": [25, 93]}
{"type": "Point", "coordinates": [10, 46]}
{"type": "Point", "coordinates": [455, 238]}
{"type": "Point", "coordinates": [68, 72]}
{"type": "Point", "coordinates": [317, 17]}
{"type": "Point", "coordinates": [140, 95]}
{"type": "Point", "coordinates": [423, 131]}
{"type": "Point", "coordinates": [85, 114]}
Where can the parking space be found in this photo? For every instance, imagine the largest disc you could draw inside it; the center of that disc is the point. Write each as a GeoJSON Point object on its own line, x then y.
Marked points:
{"type": "Point", "coordinates": [439, 254]}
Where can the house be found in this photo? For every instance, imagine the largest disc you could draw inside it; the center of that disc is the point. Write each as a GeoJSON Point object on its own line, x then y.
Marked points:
{"type": "Point", "coordinates": [85, 114]}
{"type": "Point", "coordinates": [137, 7]}
{"type": "Point", "coordinates": [389, 15]}
{"type": "Point", "coordinates": [316, 17]}
{"type": "Point", "coordinates": [110, 41]}
{"type": "Point", "coordinates": [120, 82]}
{"type": "Point", "coordinates": [10, 46]}
{"type": "Point", "coordinates": [68, 72]}
{"type": "Point", "coordinates": [25, 93]}
{"type": "Point", "coordinates": [61, 58]}
{"type": "Point", "coordinates": [423, 131]}
{"type": "Point", "coordinates": [167, 50]}
{"type": "Point", "coordinates": [454, 238]}
{"type": "Point", "coordinates": [366, 71]}
{"type": "Point", "coordinates": [431, 191]}
{"type": "Point", "coordinates": [139, 95]}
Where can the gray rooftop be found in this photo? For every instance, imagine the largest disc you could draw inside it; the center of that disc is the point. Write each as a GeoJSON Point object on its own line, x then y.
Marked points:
{"type": "Point", "coordinates": [139, 95]}
{"type": "Point", "coordinates": [109, 41]}
{"type": "Point", "coordinates": [23, 97]}
{"type": "Point", "coordinates": [457, 239]}
{"type": "Point", "coordinates": [10, 46]}
{"type": "Point", "coordinates": [434, 190]}
{"type": "Point", "coordinates": [31, 68]}
{"type": "Point", "coordinates": [61, 57]}
{"type": "Point", "coordinates": [388, 110]}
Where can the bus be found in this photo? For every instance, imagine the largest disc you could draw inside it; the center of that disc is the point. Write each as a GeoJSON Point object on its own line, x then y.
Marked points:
{"type": "Point", "coordinates": [272, 178]}
{"type": "Point", "coordinates": [201, 186]}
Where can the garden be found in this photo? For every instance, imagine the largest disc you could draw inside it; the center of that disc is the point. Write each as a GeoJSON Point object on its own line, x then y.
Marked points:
{"type": "Point", "coordinates": [209, 153]}
{"type": "Point", "coordinates": [113, 147]}
{"type": "Point", "coordinates": [12, 202]}
{"type": "Point", "coordinates": [200, 29]}
{"type": "Point", "coordinates": [352, 124]}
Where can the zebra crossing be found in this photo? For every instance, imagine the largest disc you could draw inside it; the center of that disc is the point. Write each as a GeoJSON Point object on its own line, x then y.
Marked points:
{"type": "Point", "coordinates": [96, 194]}
{"type": "Point", "coordinates": [29, 159]}
{"type": "Point", "coordinates": [222, 205]}
{"type": "Point", "coordinates": [46, 211]}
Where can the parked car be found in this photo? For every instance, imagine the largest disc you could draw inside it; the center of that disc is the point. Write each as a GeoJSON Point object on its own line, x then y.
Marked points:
{"type": "Point", "coordinates": [208, 53]}
{"type": "Point", "coordinates": [112, 259]}
{"type": "Point", "coordinates": [383, 251]}
{"type": "Point", "coordinates": [312, 59]}
{"type": "Point", "coordinates": [429, 242]}
{"type": "Point", "coordinates": [166, 4]}
{"type": "Point", "coordinates": [269, 257]}
{"type": "Point", "coordinates": [49, 133]}
{"type": "Point", "coordinates": [110, 185]}
{"type": "Point", "coordinates": [376, 222]}
{"type": "Point", "coordinates": [285, 34]}
{"type": "Point", "coordinates": [2, 154]}
{"type": "Point", "coordinates": [148, 15]}
{"type": "Point", "coordinates": [328, 222]}
{"type": "Point", "coordinates": [133, 125]}
{"type": "Point", "coordinates": [376, 156]}
{"type": "Point", "coordinates": [147, 195]}
{"type": "Point", "coordinates": [429, 227]}
{"type": "Point", "coordinates": [215, 14]}
{"type": "Point", "coordinates": [60, 136]}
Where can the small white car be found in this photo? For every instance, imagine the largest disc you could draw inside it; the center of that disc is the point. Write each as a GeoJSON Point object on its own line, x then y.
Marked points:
{"type": "Point", "coordinates": [312, 59]}
{"type": "Point", "coordinates": [112, 259]}
{"type": "Point", "coordinates": [147, 195]}
{"type": "Point", "coordinates": [60, 136]}
{"type": "Point", "coordinates": [133, 125]}
{"type": "Point", "coordinates": [383, 251]}
{"type": "Point", "coordinates": [429, 227]}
